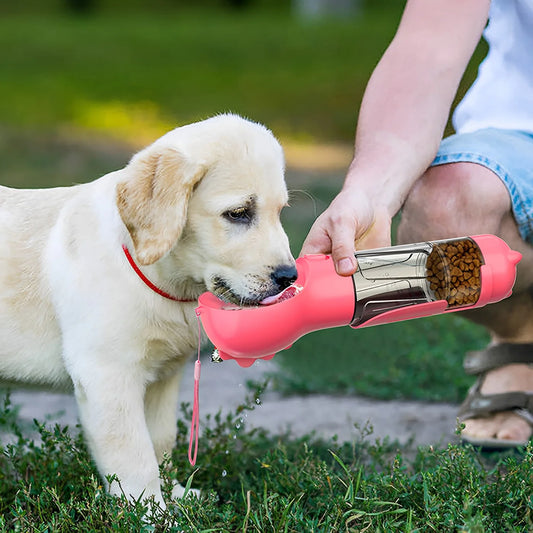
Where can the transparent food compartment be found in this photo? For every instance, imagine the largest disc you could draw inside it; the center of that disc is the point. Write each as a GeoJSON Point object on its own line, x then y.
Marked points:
{"type": "Point", "coordinates": [389, 279]}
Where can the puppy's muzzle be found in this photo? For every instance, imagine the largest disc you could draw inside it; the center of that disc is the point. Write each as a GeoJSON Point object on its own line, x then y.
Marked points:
{"type": "Point", "coordinates": [284, 276]}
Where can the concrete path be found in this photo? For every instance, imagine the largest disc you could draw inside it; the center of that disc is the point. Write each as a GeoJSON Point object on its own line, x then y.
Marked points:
{"type": "Point", "coordinates": [223, 386]}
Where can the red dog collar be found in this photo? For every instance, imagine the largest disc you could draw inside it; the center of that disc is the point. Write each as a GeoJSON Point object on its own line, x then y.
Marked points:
{"type": "Point", "coordinates": [148, 282]}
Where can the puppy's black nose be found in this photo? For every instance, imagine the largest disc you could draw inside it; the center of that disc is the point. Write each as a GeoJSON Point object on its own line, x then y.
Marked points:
{"type": "Point", "coordinates": [284, 276]}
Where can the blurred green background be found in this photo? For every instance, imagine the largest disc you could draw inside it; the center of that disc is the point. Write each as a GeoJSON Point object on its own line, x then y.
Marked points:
{"type": "Point", "coordinates": [85, 83]}
{"type": "Point", "coordinates": [133, 73]}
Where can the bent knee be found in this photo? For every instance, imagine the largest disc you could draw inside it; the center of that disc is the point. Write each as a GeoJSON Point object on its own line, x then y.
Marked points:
{"type": "Point", "coordinates": [453, 200]}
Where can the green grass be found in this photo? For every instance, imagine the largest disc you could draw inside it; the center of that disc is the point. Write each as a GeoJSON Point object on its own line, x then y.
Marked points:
{"type": "Point", "coordinates": [298, 78]}
{"type": "Point", "coordinates": [420, 359]}
{"type": "Point", "coordinates": [133, 74]}
{"type": "Point", "coordinates": [255, 482]}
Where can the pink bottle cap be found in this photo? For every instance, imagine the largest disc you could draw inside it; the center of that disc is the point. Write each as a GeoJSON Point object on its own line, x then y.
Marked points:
{"type": "Point", "coordinates": [498, 274]}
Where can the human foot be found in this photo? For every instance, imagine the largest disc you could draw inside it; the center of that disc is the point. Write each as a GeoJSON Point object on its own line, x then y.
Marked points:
{"type": "Point", "coordinates": [498, 426]}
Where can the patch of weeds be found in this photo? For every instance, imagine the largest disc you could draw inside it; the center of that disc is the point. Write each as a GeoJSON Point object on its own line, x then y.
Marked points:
{"type": "Point", "coordinates": [253, 481]}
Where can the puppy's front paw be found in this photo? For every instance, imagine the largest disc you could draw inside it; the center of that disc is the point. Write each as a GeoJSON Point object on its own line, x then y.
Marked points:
{"type": "Point", "coordinates": [178, 492]}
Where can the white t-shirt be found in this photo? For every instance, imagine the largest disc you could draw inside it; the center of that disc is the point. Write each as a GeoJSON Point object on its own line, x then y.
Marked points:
{"type": "Point", "coordinates": [502, 95]}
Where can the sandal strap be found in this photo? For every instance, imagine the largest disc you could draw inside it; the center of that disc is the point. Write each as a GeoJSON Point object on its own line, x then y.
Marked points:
{"type": "Point", "coordinates": [496, 356]}
{"type": "Point", "coordinates": [477, 404]}
{"type": "Point", "coordinates": [526, 415]}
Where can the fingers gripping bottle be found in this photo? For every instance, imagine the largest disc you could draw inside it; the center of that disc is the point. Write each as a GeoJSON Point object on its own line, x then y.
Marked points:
{"type": "Point", "coordinates": [390, 284]}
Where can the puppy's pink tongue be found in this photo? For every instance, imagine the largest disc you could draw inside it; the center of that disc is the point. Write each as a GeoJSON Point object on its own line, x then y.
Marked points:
{"type": "Point", "coordinates": [287, 293]}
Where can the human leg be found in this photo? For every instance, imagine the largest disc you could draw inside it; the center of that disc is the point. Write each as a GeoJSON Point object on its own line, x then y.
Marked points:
{"type": "Point", "coordinates": [467, 198]}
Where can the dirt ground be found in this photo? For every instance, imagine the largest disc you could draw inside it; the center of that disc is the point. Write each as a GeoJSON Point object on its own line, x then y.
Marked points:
{"type": "Point", "coordinates": [223, 387]}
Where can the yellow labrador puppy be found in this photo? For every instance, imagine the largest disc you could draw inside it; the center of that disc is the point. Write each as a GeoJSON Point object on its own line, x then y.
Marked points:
{"type": "Point", "coordinates": [99, 282]}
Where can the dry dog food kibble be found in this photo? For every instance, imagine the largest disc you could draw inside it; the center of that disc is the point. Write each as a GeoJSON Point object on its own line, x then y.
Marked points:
{"type": "Point", "coordinates": [454, 271]}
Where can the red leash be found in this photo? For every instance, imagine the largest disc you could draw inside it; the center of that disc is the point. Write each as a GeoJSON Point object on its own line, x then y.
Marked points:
{"type": "Point", "coordinates": [195, 424]}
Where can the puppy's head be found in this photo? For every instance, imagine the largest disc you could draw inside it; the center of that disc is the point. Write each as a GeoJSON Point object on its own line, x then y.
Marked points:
{"type": "Point", "coordinates": [206, 198]}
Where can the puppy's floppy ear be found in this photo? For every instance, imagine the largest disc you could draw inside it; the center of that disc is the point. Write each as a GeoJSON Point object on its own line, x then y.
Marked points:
{"type": "Point", "coordinates": [153, 201]}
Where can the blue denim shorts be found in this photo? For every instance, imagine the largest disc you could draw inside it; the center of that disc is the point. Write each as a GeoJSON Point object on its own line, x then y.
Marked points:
{"type": "Point", "coordinates": [509, 154]}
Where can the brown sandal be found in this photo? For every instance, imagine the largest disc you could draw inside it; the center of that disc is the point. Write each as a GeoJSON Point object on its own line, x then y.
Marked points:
{"type": "Point", "coordinates": [478, 405]}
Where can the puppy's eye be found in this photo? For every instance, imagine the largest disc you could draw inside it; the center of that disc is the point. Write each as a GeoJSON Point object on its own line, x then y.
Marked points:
{"type": "Point", "coordinates": [240, 215]}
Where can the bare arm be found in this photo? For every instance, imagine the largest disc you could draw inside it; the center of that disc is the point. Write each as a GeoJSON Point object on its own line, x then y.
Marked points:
{"type": "Point", "coordinates": [401, 121]}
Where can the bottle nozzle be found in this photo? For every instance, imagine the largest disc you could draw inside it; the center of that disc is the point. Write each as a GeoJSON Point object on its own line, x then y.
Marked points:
{"type": "Point", "coordinates": [514, 257]}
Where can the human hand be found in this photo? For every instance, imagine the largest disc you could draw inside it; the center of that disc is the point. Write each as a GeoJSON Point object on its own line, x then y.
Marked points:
{"type": "Point", "coordinates": [351, 220]}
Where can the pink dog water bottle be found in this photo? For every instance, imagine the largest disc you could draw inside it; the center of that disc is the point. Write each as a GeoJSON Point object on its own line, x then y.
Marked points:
{"type": "Point", "coordinates": [390, 284]}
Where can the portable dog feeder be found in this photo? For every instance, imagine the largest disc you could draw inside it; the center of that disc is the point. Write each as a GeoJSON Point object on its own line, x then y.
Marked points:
{"type": "Point", "coordinates": [390, 284]}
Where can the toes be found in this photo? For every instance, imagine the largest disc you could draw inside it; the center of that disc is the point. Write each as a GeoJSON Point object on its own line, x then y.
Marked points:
{"type": "Point", "coordinates": [179, 492]}
{"type": "Point", "coordinates": [503, 426]}
{"type": "Point", "coordinates": [514, 428]}
{"type": "Point", "coordinates": [480, 428]}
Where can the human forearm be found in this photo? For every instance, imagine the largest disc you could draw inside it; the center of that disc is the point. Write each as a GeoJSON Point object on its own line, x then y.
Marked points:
{"type": "Point", "coordinates": [401, 121]}
{"type": "Point", "coordinates": [408, 98]}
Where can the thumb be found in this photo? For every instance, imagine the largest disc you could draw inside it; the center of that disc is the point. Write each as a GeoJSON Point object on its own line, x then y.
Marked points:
{"type": "Point", "coordinates": [343, 249]}
{"type": "Point", "coordinates": [336, 237]}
